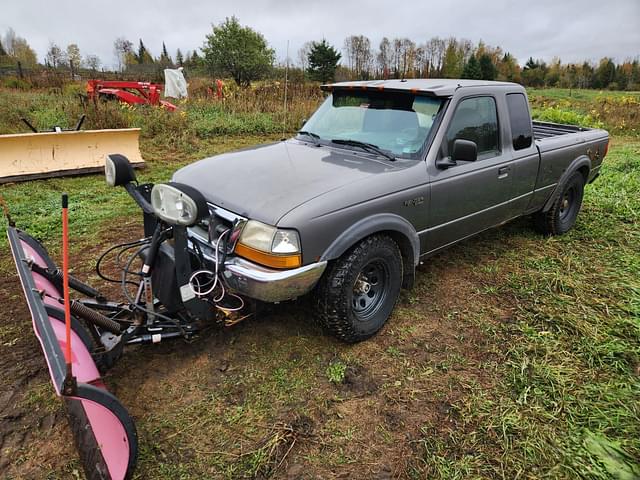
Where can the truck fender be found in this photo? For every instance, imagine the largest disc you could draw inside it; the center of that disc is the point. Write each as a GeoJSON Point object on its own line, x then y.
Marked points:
{"type": "Point", "coordinates": [401, 231]}
{"type": "Point", "coordinates": [581, 162]}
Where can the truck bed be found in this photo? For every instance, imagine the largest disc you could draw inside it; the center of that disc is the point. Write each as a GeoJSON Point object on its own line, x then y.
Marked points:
{"type": "Point", "coordinates": [547, 129]}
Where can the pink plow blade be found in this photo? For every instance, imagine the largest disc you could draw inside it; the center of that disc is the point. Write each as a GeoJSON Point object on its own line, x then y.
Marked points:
{"type": "Point", "coordinates": [104, 433]}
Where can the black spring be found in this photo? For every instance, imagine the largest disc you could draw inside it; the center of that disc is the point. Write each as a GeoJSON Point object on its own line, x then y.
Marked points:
{"type": "Point", "coordinates": [95, 318]}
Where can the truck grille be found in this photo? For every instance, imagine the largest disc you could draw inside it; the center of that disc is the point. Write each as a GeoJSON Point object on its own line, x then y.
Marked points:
{"type": "Point", "coordinates": [219, 221]}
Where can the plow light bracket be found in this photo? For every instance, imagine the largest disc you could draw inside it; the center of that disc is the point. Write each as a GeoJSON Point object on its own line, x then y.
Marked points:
{"type": "Point", "coordinates": [118, 171]}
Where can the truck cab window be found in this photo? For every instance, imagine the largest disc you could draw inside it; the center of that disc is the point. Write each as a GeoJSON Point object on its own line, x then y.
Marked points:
{"type": "Point", "coordinates": [396, 122]}
{"type": "Point", "coordinates": [475, 119]}
{"type": "Point", "coordinates": [521, 130]}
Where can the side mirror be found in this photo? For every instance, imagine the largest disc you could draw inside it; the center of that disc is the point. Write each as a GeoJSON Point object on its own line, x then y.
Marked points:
{"type": "Point", "coordinates": [464, 150]}
{"type": "Point", "coordinates": [118, 171]}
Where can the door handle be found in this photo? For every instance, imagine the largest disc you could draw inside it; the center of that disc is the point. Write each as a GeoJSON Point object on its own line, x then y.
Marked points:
{"type": "Point", "coordinates": [503, 172]}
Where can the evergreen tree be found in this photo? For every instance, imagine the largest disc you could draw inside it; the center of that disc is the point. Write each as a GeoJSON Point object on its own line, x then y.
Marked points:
{"type": "Point", "coordinates": [531, 64]}
{"type": "Point", "coordinates": [165, 59]}
{"type": "Point", "coordinates": [179, 58]}
{"type": "Point", "coordinates": [452, 63]}
{"type": "Point", "coordinates": [605, 73]}
{"type": "Point", "coordinates": [323, 61]}
{"type": "Point", "coordinates": [534, 73]}
{"type": "Point", "coordinates": [143, 54]}
{"type": "Point", "coordinates": [3, 53]}
{"type": "Point", "coordinates": [472, 69]}
{"type": "Point", "coordinates": [487, 68]}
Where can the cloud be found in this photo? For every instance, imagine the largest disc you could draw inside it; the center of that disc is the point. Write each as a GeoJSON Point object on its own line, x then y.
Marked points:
{"type": "Point", "coordinates": [573, 30]}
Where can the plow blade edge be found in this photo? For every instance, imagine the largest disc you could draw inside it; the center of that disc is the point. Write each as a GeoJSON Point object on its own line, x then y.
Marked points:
{"type": "Point", "coordinates": [104, 433]}
{"type": "Point", "coordinates": [25, 156]}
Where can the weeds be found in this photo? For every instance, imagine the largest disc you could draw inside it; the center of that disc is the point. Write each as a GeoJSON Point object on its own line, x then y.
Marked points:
{"type": "Point", "coordinates": [336, 372]}
{"type": "Point", "coordinates": [618, 112]}
{"type": "Point", "coordinates": [570, 117]}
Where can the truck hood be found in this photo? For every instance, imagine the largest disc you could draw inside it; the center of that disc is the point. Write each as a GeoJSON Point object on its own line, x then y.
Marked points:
{"type": "Point", "coordinates": [265, 182]}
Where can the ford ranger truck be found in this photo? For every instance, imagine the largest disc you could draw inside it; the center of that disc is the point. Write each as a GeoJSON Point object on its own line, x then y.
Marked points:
{"type": "Point", "coordinates": [383, 175]}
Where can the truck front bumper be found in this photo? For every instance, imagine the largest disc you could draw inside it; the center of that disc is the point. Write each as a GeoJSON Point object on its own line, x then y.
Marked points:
{"type": "Point", "coordinates": [270, 285]}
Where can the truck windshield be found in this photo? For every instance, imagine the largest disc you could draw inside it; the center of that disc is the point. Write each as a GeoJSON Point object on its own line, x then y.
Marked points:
{"type": "Point", "coordinates": [397, 123]}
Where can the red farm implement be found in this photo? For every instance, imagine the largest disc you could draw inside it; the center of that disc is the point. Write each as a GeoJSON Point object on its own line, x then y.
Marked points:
{"type": "Point", "coordinates": [133, 93]}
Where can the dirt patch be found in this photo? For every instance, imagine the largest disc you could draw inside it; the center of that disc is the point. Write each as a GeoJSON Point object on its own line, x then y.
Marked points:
{"type": "Point", "coordinates": [254, 400]}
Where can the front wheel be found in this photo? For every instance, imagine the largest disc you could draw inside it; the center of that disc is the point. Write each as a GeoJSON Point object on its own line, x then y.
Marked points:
{"type": "Point", "coordinates": [359, 290]}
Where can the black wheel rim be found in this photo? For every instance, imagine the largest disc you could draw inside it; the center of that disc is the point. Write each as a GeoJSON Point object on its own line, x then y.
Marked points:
{"type": "Point", "coordinates": [370, 290]}
{"type": "Point", "coordinates": [567, 203]}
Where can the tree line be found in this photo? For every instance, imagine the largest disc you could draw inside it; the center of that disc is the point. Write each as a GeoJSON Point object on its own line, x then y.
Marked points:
{"type": "Point", "coordinates": [238, 51]}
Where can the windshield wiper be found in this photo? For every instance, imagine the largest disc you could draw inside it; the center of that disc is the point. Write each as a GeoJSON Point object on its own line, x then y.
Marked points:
{"type": "Point", "coordinates": [315, 136]}
{"type": "Point", "coordinates": [370, 147]}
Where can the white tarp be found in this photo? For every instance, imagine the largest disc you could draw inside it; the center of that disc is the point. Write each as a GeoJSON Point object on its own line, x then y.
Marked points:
{"type": "Point", "coordinates": [175, 85]}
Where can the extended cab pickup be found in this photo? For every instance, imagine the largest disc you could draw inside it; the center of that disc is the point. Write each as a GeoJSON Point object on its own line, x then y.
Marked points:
{"type": "Point", "coordinates": [384, 174]}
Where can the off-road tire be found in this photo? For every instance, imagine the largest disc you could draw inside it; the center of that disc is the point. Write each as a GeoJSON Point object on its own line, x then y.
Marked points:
{"type": "Point", "coordinates": [378, 257]}
{"type": "Point", "coordinates": [561, 217]}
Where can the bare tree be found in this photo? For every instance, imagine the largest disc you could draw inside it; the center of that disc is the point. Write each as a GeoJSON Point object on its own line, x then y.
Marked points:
{"type": "Point", "coordinates": [384, 58]}
{"type": "Point", "coordinates": [122, 49]}
{"type": "Point", "coordinates": [9, 40]}
{"type": "Point", "coordinates": [359, 55]}
{"type": "Point", "coordinates": [403, 57]}
{"type": "Point", "coordinates": [73, 55]}
{"type": "Point", "coordinates": [92, 61]}
{"type": "Point", "coordinates": [439, 49]}
{"type": "Point", "coordinates": [18, 48]}
{"type": "Point", "coordinates": [303, 55]}
{"type": "Point", "coordinates": [55, 55]}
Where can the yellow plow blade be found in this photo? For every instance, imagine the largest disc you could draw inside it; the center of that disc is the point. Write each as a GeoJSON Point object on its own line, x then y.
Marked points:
{"type": "Point", "coordinates": [26, 156]}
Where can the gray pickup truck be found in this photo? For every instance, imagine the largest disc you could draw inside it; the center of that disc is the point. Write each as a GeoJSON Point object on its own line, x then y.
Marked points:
{"type": "Point", "coordinates": [384, 174]}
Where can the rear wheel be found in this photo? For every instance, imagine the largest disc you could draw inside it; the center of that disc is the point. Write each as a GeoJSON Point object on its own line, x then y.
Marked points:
{"type": "Point", "coordinates": [561, 217]}
{"type": "Point", "coordinates": [359, 290]}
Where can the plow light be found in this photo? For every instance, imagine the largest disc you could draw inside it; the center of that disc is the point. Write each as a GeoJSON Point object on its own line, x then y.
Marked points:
{"type": "Point", "coordinates": [118, 171]}
{"type": "Point", "coordinates": [178, 204]}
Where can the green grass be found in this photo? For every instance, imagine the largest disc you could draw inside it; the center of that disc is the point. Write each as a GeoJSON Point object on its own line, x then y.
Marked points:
{"type": "Point", "coordinates": [572, 354]}
{"type": "Point", "coordinates": [533, 372]}
{"type": "Point", "coordinates": [579, 94]}
{"type": "Point", "coordinates": [336, 371]}
{"type": "Point", "coordinates": [615, 111]}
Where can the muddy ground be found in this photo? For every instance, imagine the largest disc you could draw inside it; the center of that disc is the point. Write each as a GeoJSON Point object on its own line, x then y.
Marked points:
{"type": "Point", "coordinates": [255, 400]}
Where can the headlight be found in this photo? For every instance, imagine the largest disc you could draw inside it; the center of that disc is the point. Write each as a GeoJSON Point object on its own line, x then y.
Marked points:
{"type": "Point", "coordinates": [269, 245]}
{"type": "Point", "coordinates": [178, 204]}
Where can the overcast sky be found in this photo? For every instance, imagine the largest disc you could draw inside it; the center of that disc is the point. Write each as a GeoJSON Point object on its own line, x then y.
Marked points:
{"type": "Point", "coordinates": [573, 30]}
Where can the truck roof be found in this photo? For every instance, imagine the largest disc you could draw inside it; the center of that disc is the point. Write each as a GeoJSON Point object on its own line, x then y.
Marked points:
{"type": "Point", "coordinates": [441, 87]}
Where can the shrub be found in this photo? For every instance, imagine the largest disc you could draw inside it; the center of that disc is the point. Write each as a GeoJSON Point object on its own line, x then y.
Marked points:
{"type": "Point", "coordinates": [17, 83]}
{"type": "Point", "coordinates": [571, 117]}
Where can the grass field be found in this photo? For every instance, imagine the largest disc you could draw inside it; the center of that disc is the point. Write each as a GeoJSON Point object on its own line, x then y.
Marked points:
{"type": "Point", "coordinates": [515, 356]}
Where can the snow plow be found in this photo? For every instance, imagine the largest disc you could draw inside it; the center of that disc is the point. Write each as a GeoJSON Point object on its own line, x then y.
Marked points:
{"type": "Point", "coordinates": [169, 293]}
{"type": "Point", "coordinates": [105, 434]}
{"type": "Point", "coordinates": [58, 152]}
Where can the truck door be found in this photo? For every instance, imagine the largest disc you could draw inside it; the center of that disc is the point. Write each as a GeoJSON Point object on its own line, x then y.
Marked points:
{"type": "Point", "coordinates": [526, 159]}
{"type": "Point", "coordinates": [470, 196]}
